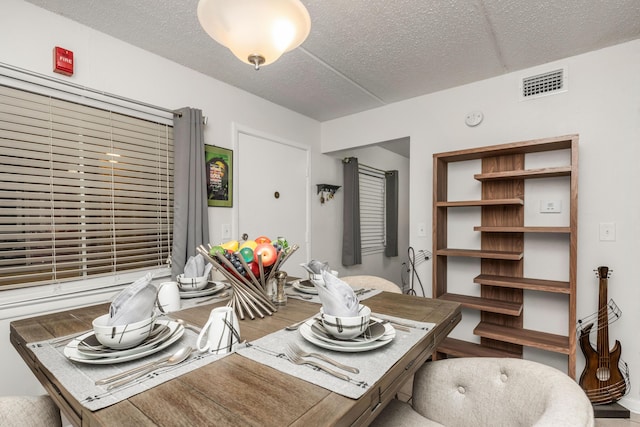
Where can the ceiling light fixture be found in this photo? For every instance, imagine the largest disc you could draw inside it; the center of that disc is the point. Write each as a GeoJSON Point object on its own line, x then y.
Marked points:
{"type": "Point", "coordinates": [258, 32]}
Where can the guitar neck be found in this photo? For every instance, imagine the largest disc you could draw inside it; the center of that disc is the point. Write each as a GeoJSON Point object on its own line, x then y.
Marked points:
{"type": "Point", "coordinates": [603, 312]}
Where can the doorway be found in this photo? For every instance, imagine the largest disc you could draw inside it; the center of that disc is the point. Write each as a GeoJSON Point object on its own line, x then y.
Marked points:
{"type": "Point", "coordinates": [273, 192]}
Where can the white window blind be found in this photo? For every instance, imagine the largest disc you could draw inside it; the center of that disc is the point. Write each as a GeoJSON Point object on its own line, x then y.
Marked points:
{"type": "Point", "coordinates": [84, 192]}
{"type": "Point", "coordinates": [372, 209]}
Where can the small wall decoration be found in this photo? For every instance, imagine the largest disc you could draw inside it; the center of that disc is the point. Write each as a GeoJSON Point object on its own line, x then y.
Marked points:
{"type": "Point", "coordinates": [219, 171]}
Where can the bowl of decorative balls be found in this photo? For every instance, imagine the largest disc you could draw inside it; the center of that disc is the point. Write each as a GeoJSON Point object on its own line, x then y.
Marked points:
{"type": "Point", "coordinates": [249, 266]}
{"type": "Point", "coordinates": [246, 258]}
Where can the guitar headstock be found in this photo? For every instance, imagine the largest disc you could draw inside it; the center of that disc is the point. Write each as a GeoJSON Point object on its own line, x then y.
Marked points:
{"type": "Point", "coordinates": [603, 272]}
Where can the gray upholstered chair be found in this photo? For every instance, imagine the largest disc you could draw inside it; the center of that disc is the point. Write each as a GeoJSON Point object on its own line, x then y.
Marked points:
{"type": "Point", "coordinates": [371, 282]}
{"type": "Point", "coordinates": [490, 392]}
{"type": "Point", "coordinates": [29, 411]}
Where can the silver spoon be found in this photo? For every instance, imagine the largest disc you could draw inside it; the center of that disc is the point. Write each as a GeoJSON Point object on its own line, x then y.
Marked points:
{"type": "Point", "coordinates": [188, 325]}
{"type": "Point", "coordinates": [178, 357]}
{"type": "Point", "coordinates": [219, 297]}
{"type": "Point", "coordinates": [295, 326]}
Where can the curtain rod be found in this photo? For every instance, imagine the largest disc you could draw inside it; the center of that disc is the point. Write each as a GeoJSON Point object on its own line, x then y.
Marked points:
{"type": "Point", "coordinates": [348, 159]}
{"type": "Point", "coordinates": [82, 88]}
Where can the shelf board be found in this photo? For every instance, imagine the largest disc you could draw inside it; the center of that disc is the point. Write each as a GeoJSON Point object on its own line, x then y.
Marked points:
{"type": "Point", "coordinates": [526, 173]}
{"type": "Point", "coordinates": [521, 147]}
{"type": "Point", "coordinates": [526, 337]}
{"type": "Point", "coordinates": [489, 202]}
{"type": "Point", "coordinates": [532, 229]}
{"type": "Point", "coordinates": [478, 253]}
{"type": "Point", "coordinates": [459, 348]}
{"type": "Point", "coordinates": [524, 283]}
{"type": "Point", "coordinates": [485, 304]}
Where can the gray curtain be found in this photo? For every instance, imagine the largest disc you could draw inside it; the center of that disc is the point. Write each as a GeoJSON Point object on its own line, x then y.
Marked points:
{"type": "Point", "coordinates": [351, 248]}
{"type": "Point", "coordinates": [391, 193]}
{"type": "Point", "coordinates": [190, 218]}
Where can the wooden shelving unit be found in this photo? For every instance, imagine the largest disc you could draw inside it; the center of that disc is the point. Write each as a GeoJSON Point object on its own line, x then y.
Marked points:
{"type": "Point", "coordinates": [501, 253]}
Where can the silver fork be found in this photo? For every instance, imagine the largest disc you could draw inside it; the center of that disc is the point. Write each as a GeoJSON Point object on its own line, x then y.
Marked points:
{"type": "Point", "coordinates": [294, 348]}
{"type": "Point", "coordinates": [294, 358]}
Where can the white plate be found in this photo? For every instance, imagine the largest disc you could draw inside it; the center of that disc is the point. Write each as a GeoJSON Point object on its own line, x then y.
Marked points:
{"type": "Point", "coordinates": [304, 289]}
{"type": "Point", "coordinates": [377, 329]}
{"type": "Point", "coordinates": [72, 353]}
{"type": "Point", "coordinates": [101, 351]}
{"type": "Point", "coordinates": [389, 335]}
{"type": "Point", "coordinates": [211, 288]}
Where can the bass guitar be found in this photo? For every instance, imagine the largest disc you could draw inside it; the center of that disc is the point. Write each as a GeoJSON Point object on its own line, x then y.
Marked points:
{"type": "Point", "coordinates": [602, 379]}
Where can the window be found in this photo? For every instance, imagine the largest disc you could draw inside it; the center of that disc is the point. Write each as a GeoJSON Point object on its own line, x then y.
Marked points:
{"type": "Point", "coordinates": [84, 192]}
{"type": "Point", "coordinates": [372, 209]}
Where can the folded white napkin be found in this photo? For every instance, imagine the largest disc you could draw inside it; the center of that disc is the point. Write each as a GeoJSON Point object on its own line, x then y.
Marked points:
{"type": "Point", "coordinates": [317, 267]}
{"type": "Point", "coordinates": [195, 267]}
{"type": "Point", "coordinates": [134, 303]}
{"type": "Point", "coordinates": [337, 297]}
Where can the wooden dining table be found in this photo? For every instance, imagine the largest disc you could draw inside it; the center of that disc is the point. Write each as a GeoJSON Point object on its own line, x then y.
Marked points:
{"type": "Point", "coordinates": [234, 390]}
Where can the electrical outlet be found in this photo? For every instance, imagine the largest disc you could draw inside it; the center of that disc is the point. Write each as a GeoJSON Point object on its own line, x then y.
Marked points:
{"type": "Point", "coordinates": [226, 231]}
{"type": "Point", "coordinates": [550, 206]}
{"type": "Point", "coordinates": [607, 231]}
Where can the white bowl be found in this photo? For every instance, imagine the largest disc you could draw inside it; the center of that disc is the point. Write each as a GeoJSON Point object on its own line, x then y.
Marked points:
{"type": "Point", "coordinates": [345, 328]}
{"type": "Point", "coordinates": [192, 283]}
{"type": "Point", "coordinates": [122, 336]}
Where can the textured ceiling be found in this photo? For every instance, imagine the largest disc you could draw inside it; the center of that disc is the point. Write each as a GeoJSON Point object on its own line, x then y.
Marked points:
{"type": "Point", "coordinates": [363, 54]}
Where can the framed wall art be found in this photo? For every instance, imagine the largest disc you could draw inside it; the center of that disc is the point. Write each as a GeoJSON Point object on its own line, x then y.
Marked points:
{"type": "Point", "coordinates": [219, 171]}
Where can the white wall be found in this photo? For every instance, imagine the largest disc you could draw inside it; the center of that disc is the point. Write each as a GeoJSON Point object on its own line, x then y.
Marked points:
{"type": "Point", "coordinates": [602, 105]}
{"type": "Point", "coordinates": [28, 35]}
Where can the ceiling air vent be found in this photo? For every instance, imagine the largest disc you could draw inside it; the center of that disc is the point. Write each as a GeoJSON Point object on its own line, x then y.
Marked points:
{"type": "Point", "coordinates": [544, 84]}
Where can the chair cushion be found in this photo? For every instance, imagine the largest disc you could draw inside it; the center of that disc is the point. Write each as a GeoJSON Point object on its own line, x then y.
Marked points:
{"type": "Point", "coordinates": [29, 411]}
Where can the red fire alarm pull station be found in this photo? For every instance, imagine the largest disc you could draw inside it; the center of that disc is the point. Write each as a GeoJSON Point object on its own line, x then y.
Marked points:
{"type": "Point", "coordinates": [62, 61]}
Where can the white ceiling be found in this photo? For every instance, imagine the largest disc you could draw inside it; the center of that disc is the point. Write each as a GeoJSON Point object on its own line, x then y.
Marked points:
{"type": "Point", "coordinates": [363, 54]}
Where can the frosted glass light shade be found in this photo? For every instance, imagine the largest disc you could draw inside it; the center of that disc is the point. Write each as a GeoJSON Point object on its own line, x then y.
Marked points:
{"type": "Point", "coordinates": [254, 29]}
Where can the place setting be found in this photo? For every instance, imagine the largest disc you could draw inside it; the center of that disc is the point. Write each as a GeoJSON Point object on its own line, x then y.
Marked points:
{"type": "Point", "coordinates": [306, 288]}
{"type": "Point", "coordinates": [134, 346]}
{"type": "Point", "coordinates": [344, 348]}
{"type": "Point", "coordinates": [376, 334]}
{"type": "Point", "coordinates": [344, 324]}
{"type": "Point", "coordinates": [195, 280]}
{"type": "Point", "coordinates": [130, 330]}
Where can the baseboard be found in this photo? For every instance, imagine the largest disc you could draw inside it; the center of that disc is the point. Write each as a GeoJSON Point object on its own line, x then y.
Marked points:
{"type": "Point", "coordinates": [611, 410]}
{"type": "Point", "coordinates": [631, 404]}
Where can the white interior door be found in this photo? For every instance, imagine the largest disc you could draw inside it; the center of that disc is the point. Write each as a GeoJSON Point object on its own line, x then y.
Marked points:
{"type": "Point", "coordinates": [272, 190]}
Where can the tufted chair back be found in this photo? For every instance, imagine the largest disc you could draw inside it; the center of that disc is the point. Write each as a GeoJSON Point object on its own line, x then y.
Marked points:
{"type": "Point", "coordinates": [491, 392]}
{"type": "Point", "coordinates": [29, 411]}
{"type": "Point", "coordinates": [371, 282]}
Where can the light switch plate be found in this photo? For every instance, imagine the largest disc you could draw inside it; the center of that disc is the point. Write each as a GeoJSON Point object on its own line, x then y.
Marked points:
{"type": "Point", "coordinates": [422, 229]}
{"type": "Point", "coordinates": [607, 231]}
{"type": "Point", "coordinates": [226, 231]}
